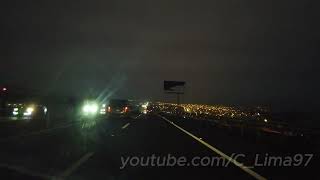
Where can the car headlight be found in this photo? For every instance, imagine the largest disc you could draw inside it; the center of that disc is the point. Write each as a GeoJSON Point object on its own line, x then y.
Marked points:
{"type": "Point", "coordinates": [15, 111]}
{"type": "Point", "coordinates": [28, 111]}
{"type": "Point", "coordinates": [90, 108]}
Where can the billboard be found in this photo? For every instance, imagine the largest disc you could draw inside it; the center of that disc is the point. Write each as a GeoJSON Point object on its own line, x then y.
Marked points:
{"type": "Point", "coordinates": [174, 86]}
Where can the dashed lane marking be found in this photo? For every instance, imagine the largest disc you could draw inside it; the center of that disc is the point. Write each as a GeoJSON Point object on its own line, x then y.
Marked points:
{"type": "Point", "coordinates": [126, 125]}
{"type": "Point", "coordinates": [76, 165]}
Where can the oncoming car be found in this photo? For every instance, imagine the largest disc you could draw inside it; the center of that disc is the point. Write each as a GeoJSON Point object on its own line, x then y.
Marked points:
{"type": "Point", "coordinates": [22, 109]}
{"type": "Point", "coordinates": [34, 115]}
{"type": "Point", "coordinates": [90, 108]}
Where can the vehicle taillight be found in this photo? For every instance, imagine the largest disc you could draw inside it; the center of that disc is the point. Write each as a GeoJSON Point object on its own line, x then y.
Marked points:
{"type": "Point", "coordinates": [126, 109]}
{"type": "Point", "coordinates": [109, 109]}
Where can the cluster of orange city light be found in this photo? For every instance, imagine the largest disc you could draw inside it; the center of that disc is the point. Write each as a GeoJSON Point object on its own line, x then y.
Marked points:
{"type": "Point", "coordinates": [253, 117]}
{"type": "Point", "coordinates": [216, 111]}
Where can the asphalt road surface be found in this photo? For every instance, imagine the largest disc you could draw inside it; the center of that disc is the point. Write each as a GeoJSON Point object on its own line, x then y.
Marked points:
{"type": "Point", "coordinates": [138, 147]}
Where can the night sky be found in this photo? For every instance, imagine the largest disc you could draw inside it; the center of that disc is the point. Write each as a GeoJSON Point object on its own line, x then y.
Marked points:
{"type": "Point", "coordinates": [230, 52]}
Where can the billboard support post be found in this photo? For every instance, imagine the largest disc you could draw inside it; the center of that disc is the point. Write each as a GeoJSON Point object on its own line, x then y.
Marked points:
{"type": "Point", "coordinates": [178, 98]}
{"type": "Point", "coordinates": [175, 87]}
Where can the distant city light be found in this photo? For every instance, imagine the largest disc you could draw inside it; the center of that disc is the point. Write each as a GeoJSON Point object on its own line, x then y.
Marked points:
{"type": "Point", "coordinates": [145, 105]}
{"type": "Point", "coordinates": [266, 120]}
{"type": "Point", "coordinates": [4, 89]}
{"type": "Point", "coordinates": [211, 111]}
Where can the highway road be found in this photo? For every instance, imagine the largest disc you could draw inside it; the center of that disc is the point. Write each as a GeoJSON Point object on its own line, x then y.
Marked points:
{"type": "Point", "coordinates": [124, 149]}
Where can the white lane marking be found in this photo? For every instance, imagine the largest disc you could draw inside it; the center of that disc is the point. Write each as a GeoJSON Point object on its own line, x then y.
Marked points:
{"type": "Point", "coordinates": [236, 163]}
{"type": "Point", "coordinates": [125, 126]}
{"type": "Point", "coordinates": [137, 116]}
{"type": "Point", "coordinates": [25, 171]}
{"type": "Point", "coordinates": [76, 165]}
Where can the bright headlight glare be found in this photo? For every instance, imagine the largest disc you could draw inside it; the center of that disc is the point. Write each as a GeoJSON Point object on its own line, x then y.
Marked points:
{"type": "Point", "coordinates": [90, 108]}
{"type": "Point", "coordinates": [86, 108]}
{"type": "Point", "coordinates": [29, 110]}
{"type": "Point", "coordinates": [93, 108]}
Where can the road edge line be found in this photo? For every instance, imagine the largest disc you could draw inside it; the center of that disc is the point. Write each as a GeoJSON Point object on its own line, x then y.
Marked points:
{"type": "Point", "coordinates": [236, 163]}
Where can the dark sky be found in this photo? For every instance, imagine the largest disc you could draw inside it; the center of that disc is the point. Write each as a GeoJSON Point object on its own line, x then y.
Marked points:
{"type": "Point", "coordinates": [229, 52]}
